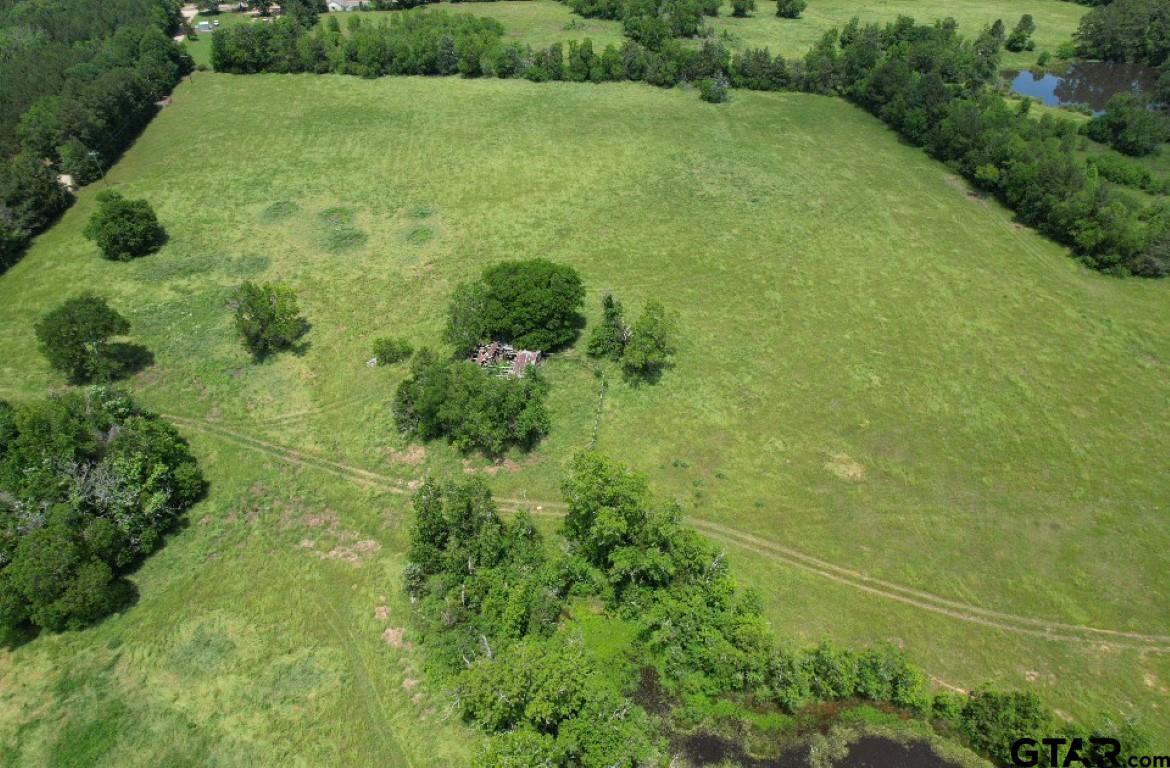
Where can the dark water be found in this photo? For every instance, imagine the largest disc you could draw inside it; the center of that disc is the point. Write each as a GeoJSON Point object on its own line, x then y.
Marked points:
{"type": "Point", "coordinates": [1091, 82]}
{"type": "Point", "coordinates": [866, 752]}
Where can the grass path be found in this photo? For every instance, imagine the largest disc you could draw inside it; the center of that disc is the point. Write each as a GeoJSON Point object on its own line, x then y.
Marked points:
{"type": "Point", "coordinates": [772, 550]}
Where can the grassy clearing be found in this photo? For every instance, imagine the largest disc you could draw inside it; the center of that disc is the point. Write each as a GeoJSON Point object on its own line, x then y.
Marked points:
{"type": "Point", "coordinates": [1056, 20]}
{"type": "Point", "coordinates": [876, 368]}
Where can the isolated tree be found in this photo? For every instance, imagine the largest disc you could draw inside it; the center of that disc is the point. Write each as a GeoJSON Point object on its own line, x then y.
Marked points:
{"type": "Point", "coordinates": [651, 345]}
{"type": "Point", "coordinates": [267, 317]}
{"type": "Point", "coordinates": [75, 338]}
{"type": "Point", "coordinates": [610, 337]}
{"type": "Point", "coordinates": [741, 8]}
{"type": "Point", "coordinates": [124, 229]}
{"type": "Point", "coordinates": [1021, 37]}
{"type": "Point", "coordinates": [790, 9]}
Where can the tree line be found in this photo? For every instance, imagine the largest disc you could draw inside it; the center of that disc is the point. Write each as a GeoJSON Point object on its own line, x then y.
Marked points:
{"type": "Point", "coordinates": [492, 596]}
{"type": "Point", "coordinates": [81, 79]}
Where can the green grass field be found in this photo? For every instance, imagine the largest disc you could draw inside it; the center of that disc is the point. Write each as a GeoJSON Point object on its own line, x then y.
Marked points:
{"type": "Point", "coordinates": [1056, 20]}
{"type": "Point", "coordinates": [543, 22]}
{"type": "Point", "coordinates": [877, 369]}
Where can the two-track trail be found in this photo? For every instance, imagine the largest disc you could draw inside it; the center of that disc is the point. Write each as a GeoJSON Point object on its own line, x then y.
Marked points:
{"type": "Point", "coordinates": [767, 548]}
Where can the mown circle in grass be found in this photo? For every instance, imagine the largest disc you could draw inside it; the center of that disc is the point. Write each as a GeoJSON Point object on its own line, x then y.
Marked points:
{"type": "Point", "coordinates": [342, 238]}
{"type": "Point", "coordinates": [419, 235]}
{"type": "Point", "coordinates": [278, 211]}
{"type": "Point", "coordinates": [336, 216]}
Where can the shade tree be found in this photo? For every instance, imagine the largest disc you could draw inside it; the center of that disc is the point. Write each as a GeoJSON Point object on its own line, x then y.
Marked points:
{"type": "Point", "coordinates": [268, 318]}
{"type": "Point", "coordinates": [75, 338]}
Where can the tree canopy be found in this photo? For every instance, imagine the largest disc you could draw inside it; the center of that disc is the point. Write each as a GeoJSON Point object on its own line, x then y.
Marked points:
{"type": "Point", "coordinates": [470, 406]}
{"type": "Point", "coordinates": [124, 229]}
{"type": "Point", "coordinates": [268, 318]}
{"type": "Point", "coordinates": [75, 338]}
{"type": "Point", "coordinates": [532, 304]}
{"type": "Point", "coordinates": [89, 485]}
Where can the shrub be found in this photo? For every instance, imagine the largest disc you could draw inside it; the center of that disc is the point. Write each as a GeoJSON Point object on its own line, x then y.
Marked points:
{"type": "Point", "coordinates": [992, 720]}
{"type": "Point", "coordinates": [124, 229]}
{"type": "Point", "coordinates": [469, 406]}
{"type": "Point", "coordinates": [267, 317]}
{"type": "Point", "coordinates": [89, 484]}
{"type": "Point", "coordinates": [532, 304]}
{"type": "Point", "coordinates": [713, 89]}
{"type": "Point", "coordinates": [790, 9]}
{"type": "Point", "coordinates": [741, 8]}
{"type": "Point", "coordinates": [75, 338]}
{"type": "Point", "coordinates": [390, 350]}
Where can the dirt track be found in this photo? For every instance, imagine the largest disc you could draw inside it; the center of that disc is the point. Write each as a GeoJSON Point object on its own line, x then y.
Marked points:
{"type": "Point", "coordinates": [1024, 625]}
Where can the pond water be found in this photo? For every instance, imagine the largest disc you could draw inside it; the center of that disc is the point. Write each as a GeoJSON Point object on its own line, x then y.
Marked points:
{"type": "Point", "coordinates": [1090, 82]}
{"type": "Point", "coordinates": [866, 752]}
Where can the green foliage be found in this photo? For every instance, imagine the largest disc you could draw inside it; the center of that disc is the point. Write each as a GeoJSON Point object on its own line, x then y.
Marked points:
{"type": "Point", "coordinates": [470, 406]}
{"type": "Point", "coordinates": [391, 349]}
{"type": "Point", "coordinates": [741, 8]}
{"type": "Point", "coordinates": [532, 304]}
{"type": "Point", "coordinates": [124, 229]}
{"type": "Point", "coordinates": [790, 9]}
{"type": "Point", "coordinates": [88, 486]}
{"type": "Point", "coordinates": [417, 43]}
{"type": "Point", "coordinates": [80, 80]}
{"type": "Point", "coordinates": [992, 720]}
{"type": "Point", "coordinates": [1126, 30]}
{"type": "Point", "coordinates": [75, 338]}
{"type": "Point", "coordinates": [267, 317]}
{"type": "Point", "coordinates": [651, 346]}
{"type": "Point", "coordinates": [1021, 37]}
{"type": "Point", "coordinates": [1129, 125]}
{"type": "Point", "coordinates": [466, 317]}
{"type": "Point", "coordinates": [609, 338]}
{"type": "Point", "coordinates": [714, 89]}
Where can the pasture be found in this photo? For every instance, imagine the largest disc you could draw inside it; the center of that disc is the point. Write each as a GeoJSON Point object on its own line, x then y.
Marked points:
{"type": "Point", "coordinates": [908, 418]}
{"type": "Point", "coordinates": [540, 23]}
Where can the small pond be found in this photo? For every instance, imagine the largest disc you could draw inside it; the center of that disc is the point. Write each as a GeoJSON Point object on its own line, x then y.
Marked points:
{"type": "Point", "coordinates": [866, 752]}
{"type": "Point", "coordinates": [1089, 82]}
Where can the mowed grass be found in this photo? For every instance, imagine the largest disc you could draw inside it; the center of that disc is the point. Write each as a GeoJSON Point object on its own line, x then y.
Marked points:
{"type": "Point", "coordinates": [875, 367]}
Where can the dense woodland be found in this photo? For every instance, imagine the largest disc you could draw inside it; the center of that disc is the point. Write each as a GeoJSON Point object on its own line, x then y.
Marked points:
{"type": "Point", "coordinates": [81, 79]}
